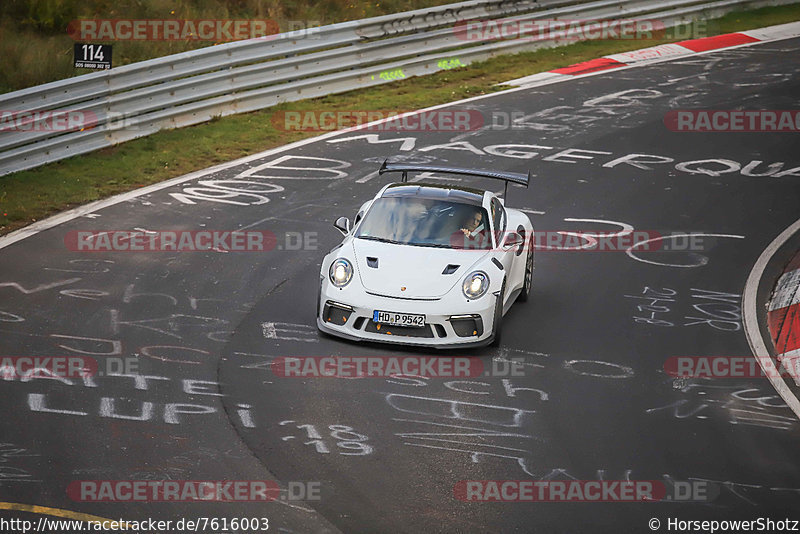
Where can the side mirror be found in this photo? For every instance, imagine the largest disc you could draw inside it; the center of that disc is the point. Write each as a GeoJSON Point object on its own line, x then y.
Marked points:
{"type": "Point", "coordinates": [343, 225]}
{"type": "Point", "coordinates": [512, 240]}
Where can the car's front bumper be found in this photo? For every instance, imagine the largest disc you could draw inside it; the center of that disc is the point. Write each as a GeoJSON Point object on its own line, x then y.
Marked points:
{"type": "Point", "coordinates": [450, 322]}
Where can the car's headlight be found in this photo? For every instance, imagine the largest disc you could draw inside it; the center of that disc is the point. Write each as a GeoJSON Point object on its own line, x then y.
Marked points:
{"type": "Point", "coordinates": [341, 272]}
{"type": "Point", "coordinates": [475, 284]}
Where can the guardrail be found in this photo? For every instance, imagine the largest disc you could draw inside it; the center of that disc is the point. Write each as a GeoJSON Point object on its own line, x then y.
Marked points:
{"type": "Point", "coordinates": [142, 98]}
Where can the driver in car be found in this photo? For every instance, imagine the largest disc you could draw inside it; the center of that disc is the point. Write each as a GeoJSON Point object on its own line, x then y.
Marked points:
{"type": "Point", "coordinates": [471, 223]}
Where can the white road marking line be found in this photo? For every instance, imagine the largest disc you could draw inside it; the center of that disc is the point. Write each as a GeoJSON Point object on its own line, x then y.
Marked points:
{"type": "Point", "coordinates": [272, 330]}
{"type": "Point", "coordinates": [750, 319]}
{"type": "Point", "coordinates": [367, 178]}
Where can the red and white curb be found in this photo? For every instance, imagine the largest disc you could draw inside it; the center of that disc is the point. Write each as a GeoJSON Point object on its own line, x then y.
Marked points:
{"type": "Point", "coordinates": [662, 52]}
{"type": "Point", "coordinates": [783, 319]}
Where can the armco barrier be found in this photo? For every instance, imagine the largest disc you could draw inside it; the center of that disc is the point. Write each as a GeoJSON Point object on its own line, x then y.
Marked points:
{"type": "Point", "coordinates": [139, 99]}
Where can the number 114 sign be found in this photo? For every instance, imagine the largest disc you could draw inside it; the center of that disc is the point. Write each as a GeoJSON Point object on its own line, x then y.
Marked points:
{"type": "Point", "coordinates": [92, 56]}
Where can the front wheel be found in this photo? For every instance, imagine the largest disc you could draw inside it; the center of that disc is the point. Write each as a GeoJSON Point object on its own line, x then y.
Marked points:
{"type": "Point", "coordinates": [528, 283]}
{"type": "Point", "coordinates": [497, 322]}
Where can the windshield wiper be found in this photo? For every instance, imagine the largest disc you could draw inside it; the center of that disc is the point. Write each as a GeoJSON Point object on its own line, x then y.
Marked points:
{"type": "Point", "coordinates": [434, 245]}
{"type": "Point", "coordinates": [381, 239]}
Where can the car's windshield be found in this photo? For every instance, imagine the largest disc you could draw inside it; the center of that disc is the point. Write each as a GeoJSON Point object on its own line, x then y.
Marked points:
{"type": "Point", "coordinates": [426, 222]}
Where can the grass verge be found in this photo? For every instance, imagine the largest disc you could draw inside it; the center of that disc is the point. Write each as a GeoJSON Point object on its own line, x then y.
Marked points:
{"type": "Point", "coordinates": [31, 195]}
{"type": "Point", "coordinates": [37, 49]}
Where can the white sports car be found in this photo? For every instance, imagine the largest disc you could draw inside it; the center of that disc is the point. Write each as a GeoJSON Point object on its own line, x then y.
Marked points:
{"type": "Point", "coordinates": [427, 264]}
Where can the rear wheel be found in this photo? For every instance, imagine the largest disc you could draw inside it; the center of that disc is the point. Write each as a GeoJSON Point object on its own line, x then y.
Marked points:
{"type": "Point", "coordinates": [497, 322]}
{"type": "Point", "coordinates": [528, 283]}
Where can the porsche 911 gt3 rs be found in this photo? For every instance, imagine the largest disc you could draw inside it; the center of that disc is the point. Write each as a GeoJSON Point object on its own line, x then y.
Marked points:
{"type": "Point", "coordinates": [428, 264]}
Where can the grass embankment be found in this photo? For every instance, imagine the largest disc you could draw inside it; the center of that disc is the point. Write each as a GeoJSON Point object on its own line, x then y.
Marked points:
{"type": "Point", "coordinates": [31, 195]}
{"type": "Point", "coordinates": [37, 49]}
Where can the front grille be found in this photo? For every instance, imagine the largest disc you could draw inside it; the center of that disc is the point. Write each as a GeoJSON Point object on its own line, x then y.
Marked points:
{"type": "Point", "coordinates": [467, 326]}
{"type": "Point", "coordinates": [405, 331]}
{"type": "Point", "coordinates": [337, 314]}
{"type": "Point", "coordinates": [440, 331]}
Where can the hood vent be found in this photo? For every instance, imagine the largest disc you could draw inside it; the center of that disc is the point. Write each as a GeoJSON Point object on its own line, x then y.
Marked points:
{"type": "Point", "coordinates": [450, 269]}
{"type": "Point", "coordinates": [372, 262]}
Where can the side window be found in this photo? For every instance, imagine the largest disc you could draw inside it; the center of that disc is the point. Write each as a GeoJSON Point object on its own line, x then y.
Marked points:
{"type": "Point", "coordinates": [361, 212]}
{"type": "Point", "coordinates": [498, 216]}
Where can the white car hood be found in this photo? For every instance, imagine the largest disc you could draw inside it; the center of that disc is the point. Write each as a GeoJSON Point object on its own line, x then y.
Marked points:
{"type": "Point", "coordinates": [406, 271]}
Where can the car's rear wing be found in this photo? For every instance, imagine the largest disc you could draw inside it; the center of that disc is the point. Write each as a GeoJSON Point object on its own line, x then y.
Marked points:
{"type": "Point", "coordinates": [513, 177]}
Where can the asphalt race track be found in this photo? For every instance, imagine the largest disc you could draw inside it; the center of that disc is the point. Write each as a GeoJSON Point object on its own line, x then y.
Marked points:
{"type": "Point", "coordinates": [593, 400]}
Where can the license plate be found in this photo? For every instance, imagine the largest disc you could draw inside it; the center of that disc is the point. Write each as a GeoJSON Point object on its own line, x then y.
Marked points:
{"type": "Point", "coordinates": [399, 319]}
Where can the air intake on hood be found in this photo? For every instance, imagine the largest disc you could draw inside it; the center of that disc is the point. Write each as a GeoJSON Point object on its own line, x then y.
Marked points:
{"type": "Point", "coordinates": [372, 262]}
{"type": "Point", "coordinates": [450, 269]}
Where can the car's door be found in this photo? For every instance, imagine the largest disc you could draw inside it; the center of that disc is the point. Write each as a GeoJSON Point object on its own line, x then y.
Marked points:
{"type": "Point", "coordinates": [511, 256]}
{"type": "Point", "coordinates": [499, 223]}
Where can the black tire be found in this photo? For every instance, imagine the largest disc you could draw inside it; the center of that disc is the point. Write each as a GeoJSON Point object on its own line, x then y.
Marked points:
{"type": "Point", "coordinates": [497, 323]}
{"type": "Point", "coordinates": [528, 283]}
